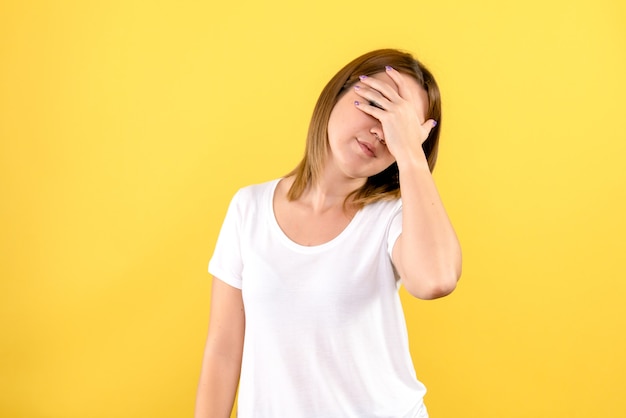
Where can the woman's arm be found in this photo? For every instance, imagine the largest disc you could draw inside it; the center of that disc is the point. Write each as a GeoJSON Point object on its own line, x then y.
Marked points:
{"type": "Point", "coordinates": [221, 364]}
{"type": "Point", "coordinates": [427, 254]}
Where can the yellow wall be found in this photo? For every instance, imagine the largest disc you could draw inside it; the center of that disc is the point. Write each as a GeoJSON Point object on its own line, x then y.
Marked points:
{"type": "Point", "coordinates": [125, 127]}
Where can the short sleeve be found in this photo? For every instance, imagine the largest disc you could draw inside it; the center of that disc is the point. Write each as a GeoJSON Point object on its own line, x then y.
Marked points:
{"type": "Point", "coordinates": [395, 227]}
{"type": "Point", "coordinates": [226, 263]}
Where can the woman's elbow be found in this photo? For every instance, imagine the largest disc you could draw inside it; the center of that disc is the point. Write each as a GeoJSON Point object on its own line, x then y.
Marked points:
{"type": "Point", "coordinates": [434, 287]}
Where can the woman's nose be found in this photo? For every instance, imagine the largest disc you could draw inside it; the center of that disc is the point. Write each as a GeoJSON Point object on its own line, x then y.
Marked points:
{"type": "Point", "coordinates": [377, 130]}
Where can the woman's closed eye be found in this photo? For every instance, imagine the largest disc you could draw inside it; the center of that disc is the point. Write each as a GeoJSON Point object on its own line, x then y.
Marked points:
{"type": "Point", "coordinates": [375, 104]}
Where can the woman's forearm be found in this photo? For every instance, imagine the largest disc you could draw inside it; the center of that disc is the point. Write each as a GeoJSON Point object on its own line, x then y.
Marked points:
{"type": "Point", "coordinates": [217, 387]}
{"type": "Point", "coordinates": [427, 254]}
{"type": "Point", "coordinates": [221, 363]}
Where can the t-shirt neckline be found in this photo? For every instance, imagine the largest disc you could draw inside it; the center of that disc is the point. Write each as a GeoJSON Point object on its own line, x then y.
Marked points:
{"type": "Point", "coordinates": [307, 248]}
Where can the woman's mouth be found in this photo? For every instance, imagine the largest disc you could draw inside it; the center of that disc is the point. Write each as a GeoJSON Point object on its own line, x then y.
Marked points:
{"type": "Point", "coordinates": [366, 148]}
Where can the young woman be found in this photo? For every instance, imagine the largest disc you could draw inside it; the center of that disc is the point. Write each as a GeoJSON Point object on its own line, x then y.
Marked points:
{"type": "Point", "coordinates": [305, 314]}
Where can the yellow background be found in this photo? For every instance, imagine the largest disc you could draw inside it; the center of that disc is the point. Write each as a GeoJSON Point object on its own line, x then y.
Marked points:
{"type": "Point", "coordinates": [126, 126]}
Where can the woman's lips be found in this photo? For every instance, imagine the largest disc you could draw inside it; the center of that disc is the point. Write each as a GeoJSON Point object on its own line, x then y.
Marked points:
{"type": "Point", "coordinates": [367, 148]}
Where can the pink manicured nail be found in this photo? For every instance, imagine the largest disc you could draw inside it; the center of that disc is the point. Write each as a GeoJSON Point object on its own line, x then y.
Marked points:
{"type": "Point", "coordinates": [388, 67]}
{"type": "Point", "coordinates": [357, 87]}
{"type": "Point", "coordinates": [434, 123]}
{"type": "Point", "coordinates": [356, 103]}
{"type": "Point", "coordinates": [362, 77]}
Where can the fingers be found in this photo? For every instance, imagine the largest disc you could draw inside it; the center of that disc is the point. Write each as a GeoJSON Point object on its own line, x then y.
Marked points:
{"type": "Point", "coordinates": [398, 88]}
{"type": "Point", "coordinates": [371, 108]}
{"type": "Point", "coordinates": [372, 99]}
{"type": "Point", "coordinates": [379, 89]}
{"type": "Point", "coordinates": [398, 80]}
{"type": "Point", "coordinates": [427, 128]}
{"type": "Point", "coordinates": [397, 102]}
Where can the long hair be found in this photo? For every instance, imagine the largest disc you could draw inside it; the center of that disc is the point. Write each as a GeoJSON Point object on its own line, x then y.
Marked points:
{"type": "Point", "coordinates": [386, 184]}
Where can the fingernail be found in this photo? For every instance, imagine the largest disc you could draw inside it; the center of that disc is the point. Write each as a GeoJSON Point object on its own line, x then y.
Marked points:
{"type": "Point", "coordinates": [434, 123]}
{"type": "Point", "coordinates": [388, 67]}
{"type": "Point", "coordinates": [362, 77]}
{"type": "Point", "coordinates": [356, 103]}
{"type": "Point", "coordinates": [357, 87]}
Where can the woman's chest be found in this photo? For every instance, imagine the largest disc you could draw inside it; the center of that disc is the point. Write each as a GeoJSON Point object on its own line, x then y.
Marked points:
{"type": "Point", "coordinates": [307, 228]}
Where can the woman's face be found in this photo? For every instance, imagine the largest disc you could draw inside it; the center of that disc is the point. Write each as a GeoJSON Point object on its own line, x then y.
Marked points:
{"type": "Point", "coordinates": [354, 148]}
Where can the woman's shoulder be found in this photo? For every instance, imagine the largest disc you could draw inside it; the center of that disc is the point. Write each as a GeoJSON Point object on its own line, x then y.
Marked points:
{"type": "Point", "coordinates": [255, 193]}
{"type": "Point", "coordinates": [257, 189]}
{"type": "Point", "coordinates": [384, 206]}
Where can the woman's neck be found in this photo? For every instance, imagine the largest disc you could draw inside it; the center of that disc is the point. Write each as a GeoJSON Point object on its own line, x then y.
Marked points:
{"type": "Point", "coordinates": [330, 192]}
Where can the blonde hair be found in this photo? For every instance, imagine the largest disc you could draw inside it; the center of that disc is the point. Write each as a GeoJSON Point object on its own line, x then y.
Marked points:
{"type": "Point", "coordinates": [384, 185]}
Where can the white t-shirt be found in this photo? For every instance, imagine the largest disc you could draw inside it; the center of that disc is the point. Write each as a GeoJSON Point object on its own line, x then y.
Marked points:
{"type": "Point", "coordinates": [325, 332]}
